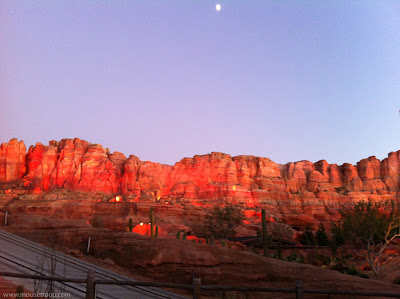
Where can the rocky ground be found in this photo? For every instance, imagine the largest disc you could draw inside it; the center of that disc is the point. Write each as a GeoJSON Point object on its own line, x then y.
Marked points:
{"type": "Point", "coordinates": [71, 222]}
{"type": "Point", "coordinates": [171, 260]}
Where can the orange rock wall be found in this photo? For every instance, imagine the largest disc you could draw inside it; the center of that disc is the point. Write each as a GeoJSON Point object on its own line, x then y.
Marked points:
{"type": "Point", "coordinates": [12, 161]}
{"type": "Point", "coordinates": [78, 165]}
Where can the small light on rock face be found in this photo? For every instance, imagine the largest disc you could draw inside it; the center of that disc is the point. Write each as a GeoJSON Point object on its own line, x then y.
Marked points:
{"type": "Point", "coordinates": [117, 198]}
{"type": "Point", "coordinates": [141, 223]}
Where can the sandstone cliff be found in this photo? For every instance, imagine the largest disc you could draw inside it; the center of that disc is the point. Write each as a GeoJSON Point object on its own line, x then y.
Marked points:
{"type": "Point", "coordinates": [74, 164]}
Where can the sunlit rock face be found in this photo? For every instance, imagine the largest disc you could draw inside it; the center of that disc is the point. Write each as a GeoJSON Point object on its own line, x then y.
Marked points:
{"type": "Point", "coordinates": [12, 161]}
{"type": "Point", "coordinates": [314, 190]}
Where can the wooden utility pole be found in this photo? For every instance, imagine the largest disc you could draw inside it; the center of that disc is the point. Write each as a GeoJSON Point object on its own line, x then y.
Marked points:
{"type": "Point", "coordinates": [299, 289]}
{"type": "Point", "coordinates": [196, 288]}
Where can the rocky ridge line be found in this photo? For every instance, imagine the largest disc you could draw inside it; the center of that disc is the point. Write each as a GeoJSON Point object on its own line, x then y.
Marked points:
{"type": "Point", "coordinates": [78, 165]}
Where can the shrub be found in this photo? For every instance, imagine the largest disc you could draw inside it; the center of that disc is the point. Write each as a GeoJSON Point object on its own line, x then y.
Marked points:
{"type": "Point", "coordinates": [320, 236]}
{"type": "Point", "coordinates": [20, 291]}
{"type": "Point", "coordinates": [293, 257]}
{"type": "Point", "coordinates": [355, 272]}
{"type": "Point", "coordinates": [308, 237]}
{"type": "Point", "coordinates": [371, 226]}
{"type": "Point", "coordinates": [223, 222]}
{"type": "Point", "coordinates": [337, 239]}
{"type": "Point", "coordinates": [212, 240]}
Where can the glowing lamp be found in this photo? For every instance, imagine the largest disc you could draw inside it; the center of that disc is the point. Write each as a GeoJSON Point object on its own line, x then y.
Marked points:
{"type": "Point", "coordinates": [117, 198]}
{"type": "Point", "coordinates": [141, 223]}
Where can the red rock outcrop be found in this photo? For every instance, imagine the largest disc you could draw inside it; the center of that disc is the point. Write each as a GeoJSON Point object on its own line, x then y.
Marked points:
{"type": "Point", "coordinates": [299, 187]}
{"type": "Point", "coordinates": [12, 161]}
{"type": "Point", "coordinates": [41, 162]}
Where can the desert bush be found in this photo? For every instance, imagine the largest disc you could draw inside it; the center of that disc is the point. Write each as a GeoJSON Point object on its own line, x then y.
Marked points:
{"type": "Point", "coordinates": [20, 291]}
{"type": "Point", "coordinates": [326, 260]}
{"type": "Point", "coordinates": [212, 240]}
{"type": "Point", "coordinates": [294, 257]}
{"type": "Point", "coordinates": [396, 280]}
{"type": "Point", "coordinates": [308, 237]}
{"type": "Point", "coordinates": [222, 223]}
{"type": "Point", "coordinates": [371, 226]}
{"type": "Point", "coordinates": [355, 272]}
{"type": "Point", "coordinates": [321, 237]}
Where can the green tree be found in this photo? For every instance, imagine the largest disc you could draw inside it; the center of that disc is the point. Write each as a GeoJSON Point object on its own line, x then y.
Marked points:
{"type": "Point", "coordinates": [371, 226]}
{"type": "Point", "coordinates": [337, 238]}
{"type": "Point", "coordinates": [308, 237]}
{"type": "Point", "coordinates": [222, 223]}
{"type": "Point", "coordinates": [320, 236]}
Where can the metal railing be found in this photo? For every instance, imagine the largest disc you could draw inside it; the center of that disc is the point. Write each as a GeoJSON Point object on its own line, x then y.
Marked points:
{"type": "Point", "coordinates": [196, 287]}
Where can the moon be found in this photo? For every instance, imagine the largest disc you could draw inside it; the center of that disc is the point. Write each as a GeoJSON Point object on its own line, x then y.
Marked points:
{"type": "Point", "coordinates": [218, 7]}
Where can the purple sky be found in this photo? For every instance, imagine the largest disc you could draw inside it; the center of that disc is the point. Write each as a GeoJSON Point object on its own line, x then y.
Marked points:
{"type": "Point", "coordinates": [287, 80]}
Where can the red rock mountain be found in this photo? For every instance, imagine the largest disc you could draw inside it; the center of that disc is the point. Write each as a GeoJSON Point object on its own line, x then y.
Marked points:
{"type": "Point", "coordinates": [78, 165]}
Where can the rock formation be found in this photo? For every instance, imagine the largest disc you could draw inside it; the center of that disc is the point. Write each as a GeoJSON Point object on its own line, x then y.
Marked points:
{"type": "Point", "coordinates": [77, 165]}
{"type": "Point", "coordinates": [12, 161]}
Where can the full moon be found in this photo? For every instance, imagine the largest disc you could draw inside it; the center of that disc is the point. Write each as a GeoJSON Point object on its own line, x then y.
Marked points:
{"type": "Point", "coordinates": [218, 7]}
